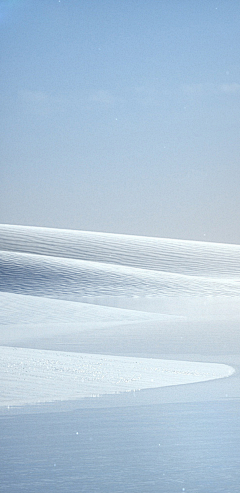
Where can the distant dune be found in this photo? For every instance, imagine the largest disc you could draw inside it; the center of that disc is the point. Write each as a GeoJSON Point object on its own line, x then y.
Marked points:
{"type": "Point", "coordinates": [47, 274]}
{"type": "Point", "coordinates": [71, 265]}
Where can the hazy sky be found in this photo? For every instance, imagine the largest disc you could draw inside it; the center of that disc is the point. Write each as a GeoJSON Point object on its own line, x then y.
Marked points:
{"type": "Point", "coordinates": [121, 116]}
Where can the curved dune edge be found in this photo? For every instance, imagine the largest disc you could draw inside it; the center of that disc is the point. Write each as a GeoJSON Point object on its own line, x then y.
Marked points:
{"type": "Point", "coordinates": [31, 376]}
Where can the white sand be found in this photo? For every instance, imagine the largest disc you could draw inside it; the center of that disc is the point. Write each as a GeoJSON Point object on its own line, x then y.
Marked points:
{"type": "Point", "coordinates": [46, 274]}
{"type": "Point", "coordinates": [71, 265]}
{"type": "Point", "coordinates": [30, 376]}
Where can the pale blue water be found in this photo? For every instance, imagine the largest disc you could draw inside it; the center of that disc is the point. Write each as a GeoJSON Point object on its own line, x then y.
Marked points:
{"type": "Point", "coordinates": [167, 448]}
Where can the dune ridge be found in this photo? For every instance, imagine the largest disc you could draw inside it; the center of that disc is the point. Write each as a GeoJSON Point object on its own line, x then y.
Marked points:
{"type": "Point", "coordinates": [161, 254]}
{"type": "Point", "coordinates": [71, 265]}
{"type": "Point", "coordinates": [43, 271]}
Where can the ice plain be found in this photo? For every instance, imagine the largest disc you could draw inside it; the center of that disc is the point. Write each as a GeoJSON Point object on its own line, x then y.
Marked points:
{"type": "Point", "coordinates": [60, 288]}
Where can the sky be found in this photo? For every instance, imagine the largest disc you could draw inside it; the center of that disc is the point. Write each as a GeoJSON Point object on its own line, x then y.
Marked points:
{"type": "Point", "coordinates": [121, 116]}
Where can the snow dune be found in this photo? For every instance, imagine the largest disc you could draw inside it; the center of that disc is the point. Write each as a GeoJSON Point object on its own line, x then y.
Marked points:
{"type": "Point", "coordinates": [46, 274]}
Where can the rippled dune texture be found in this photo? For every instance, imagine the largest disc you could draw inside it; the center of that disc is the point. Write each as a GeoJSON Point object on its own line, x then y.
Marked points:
{"type": "Point", "coordinates": [47, 274]}
{"type": "Point", "coordinates": [74, 264]}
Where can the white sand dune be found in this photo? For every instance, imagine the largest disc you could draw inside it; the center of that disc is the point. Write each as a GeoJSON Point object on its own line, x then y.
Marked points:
{"type": "Point", "coordinates": [193, 258]}
{"type": "Point", "coordinates": [30, 376]}
{"type": "Point", "coordinates": [46, 274]}
{"type": "Point", "coordinates": [72, 265]}
{"type": "Point", "coordinates": [32, 317]}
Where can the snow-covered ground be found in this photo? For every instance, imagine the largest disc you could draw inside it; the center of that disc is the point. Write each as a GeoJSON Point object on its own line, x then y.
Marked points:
{"type": "Point", "coordinates": [47, 274]}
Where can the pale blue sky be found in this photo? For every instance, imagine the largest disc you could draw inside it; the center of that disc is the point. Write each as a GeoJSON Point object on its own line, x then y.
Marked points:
{"type": "Point", "coordinates": [121, 116]}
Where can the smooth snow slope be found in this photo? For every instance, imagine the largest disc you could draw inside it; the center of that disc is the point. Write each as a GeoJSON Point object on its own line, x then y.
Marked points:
{"type": "Point", "coordinates": [45, 274]}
